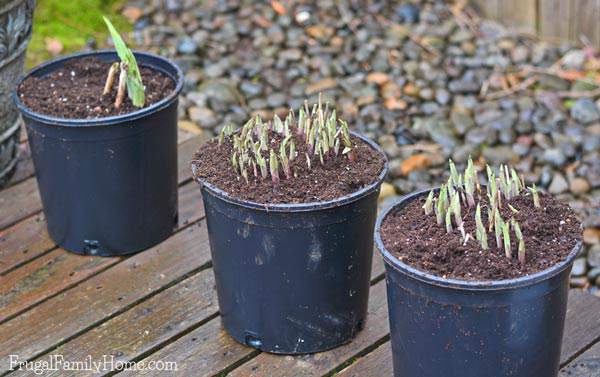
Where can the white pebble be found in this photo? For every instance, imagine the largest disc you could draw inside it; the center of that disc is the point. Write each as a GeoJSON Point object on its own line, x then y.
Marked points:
{"type": "Point", "coordinates": [302, 17]}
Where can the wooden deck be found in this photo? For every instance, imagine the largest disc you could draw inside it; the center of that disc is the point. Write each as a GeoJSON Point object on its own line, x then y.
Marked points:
{"type": "Point", "coordinates": [161, 304]}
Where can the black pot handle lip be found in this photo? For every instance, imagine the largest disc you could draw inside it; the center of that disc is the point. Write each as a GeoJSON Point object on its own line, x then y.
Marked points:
{"type": "Point", "coordinates": [467, 285]}
{"type": "Point", "coordinates": [304, 207]}
{"type": "Point", "coordinates": [105, 121]}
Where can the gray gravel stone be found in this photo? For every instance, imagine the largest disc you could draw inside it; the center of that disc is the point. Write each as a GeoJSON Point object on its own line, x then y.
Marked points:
{"type": "Point", "coordinates": [558, 185]}
{"type": "Point", "coordinates": [585, 111]}
{"type": "Point", "coordinates": [579, 267]}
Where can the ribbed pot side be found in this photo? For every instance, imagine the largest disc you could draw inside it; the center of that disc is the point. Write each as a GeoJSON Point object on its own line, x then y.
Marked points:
{"type": "Point", "coordinates": [15, 31]}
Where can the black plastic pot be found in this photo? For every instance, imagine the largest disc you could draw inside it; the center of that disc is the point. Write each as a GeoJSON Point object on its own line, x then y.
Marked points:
{"type": "Point", "coordinates": [108, 185]}
{"type": "Point", "coordinates": [294, 278]}
{"type": "Point", "coordinates": [455, 328]}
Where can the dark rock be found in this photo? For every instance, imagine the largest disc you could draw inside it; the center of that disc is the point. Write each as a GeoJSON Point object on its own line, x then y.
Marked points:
{"type": "Point", "coordinates": [585, 111]}
{"type": "Point", "coordinates": [408, 13]}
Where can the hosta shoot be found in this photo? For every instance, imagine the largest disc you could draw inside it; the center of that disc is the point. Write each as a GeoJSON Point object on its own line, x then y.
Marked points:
{"type": "Point", "coordinates": [130, 78]}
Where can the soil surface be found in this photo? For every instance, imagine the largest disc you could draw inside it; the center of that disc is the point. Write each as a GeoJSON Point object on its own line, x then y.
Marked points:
{"type": "Point", "coordinates": [549, 232]}
{"type": "Point", "coordinates": [75, 91]}
{"type": "Point", "coordinates": [335, 178]}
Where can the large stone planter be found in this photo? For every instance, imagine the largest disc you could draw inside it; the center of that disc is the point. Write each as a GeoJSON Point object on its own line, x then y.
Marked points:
{"type": "Point", "coordinates": [15, 31]}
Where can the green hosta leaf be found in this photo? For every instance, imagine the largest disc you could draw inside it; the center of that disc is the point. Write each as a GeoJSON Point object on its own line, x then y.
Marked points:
{"type": "Point", "coordinates": [135, 87]}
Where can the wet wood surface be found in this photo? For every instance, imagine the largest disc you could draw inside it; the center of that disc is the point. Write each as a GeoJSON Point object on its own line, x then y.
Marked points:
{"type": "Point", "coordinates": [161, 305]}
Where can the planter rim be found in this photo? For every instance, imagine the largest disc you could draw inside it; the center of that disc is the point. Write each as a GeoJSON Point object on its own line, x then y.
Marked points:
{"type": "Point", "coordinates": [301, 207]}
{"type": "Point", "coordinates": [105, 121]}
{"type": "Point", "coordinates": [468, 285]}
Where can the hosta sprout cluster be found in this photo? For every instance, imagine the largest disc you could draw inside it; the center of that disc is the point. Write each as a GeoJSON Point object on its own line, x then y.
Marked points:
{"type": "Point", "coordinates": [464, 190]}
{"type": "Point", "coordinates": [267, 149]}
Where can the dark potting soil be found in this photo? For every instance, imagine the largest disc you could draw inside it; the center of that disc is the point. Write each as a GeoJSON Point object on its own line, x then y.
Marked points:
{"type": "Point", "coordinates": [75, 91]}
{"type": "Point", "coordinates": [335, 178]}
{"type": "Point", "coordinates": [549, 232]}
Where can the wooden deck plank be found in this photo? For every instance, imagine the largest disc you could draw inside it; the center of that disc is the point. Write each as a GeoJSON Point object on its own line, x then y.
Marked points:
{"type": "Point", "coordinates": [582, 325]}
{"type": "Point", "coordinates": [59, 270]}
{"type": "Point", "coordinates": [582, 329]}
{"type": "Point", "coordinates": [29, 238]}
{"type": "Point", "coordinates": [585, 365]}
{"type": "Point", "coordinates": [51, 273]}
{"type": "Point", "coordinates": [377, 269]}
{"type": "Point", "coordinates": [23, 241]}
{"type": "Point", "coordinates": [376, 328]}
{"type": "Point", "coordinates": [376, 363]}
{"type": "Point", "coordinates": [146, 326]}
{"type": "Point", "coordinates": [18, 202]}
{"type": "Point", "coordinates": [24, 168]}
{"type": "Point", "coordinates": [204, 352]}
{"type": "Point", "coordinates": [22, 200]}
{"type": "Point", "coordinates": [95, 300]}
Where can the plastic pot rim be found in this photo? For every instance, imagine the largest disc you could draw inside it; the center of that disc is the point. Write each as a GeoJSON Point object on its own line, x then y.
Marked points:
{"type": "Point", "coordinates": [469, 285]}
{"type": "Point", "coordinates": [104, 121]}
{"type": "Point", "coordinates": [301, 207]}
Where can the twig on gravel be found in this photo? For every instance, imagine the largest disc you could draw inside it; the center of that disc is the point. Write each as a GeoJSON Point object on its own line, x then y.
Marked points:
{"type": "Point", "coordinates": [462, 19]}
{"type": "Point", "coordinates": [523, 85]}
{"type": "Point", "coordinates": [569, 93]}
{"type": "Point", "coordinates": [433, 148]}
{"type": "Point", "coordinates": [417, 40]}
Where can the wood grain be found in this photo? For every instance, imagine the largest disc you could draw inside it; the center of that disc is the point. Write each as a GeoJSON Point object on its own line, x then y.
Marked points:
{"type": "Point", "coordinates": [59, 270]}
{"type": "Point", "coordinates": [519, 14]}
{"type": "Point", "coordinates": [376, 363]}
{"type": "Point", "coordinates": [377, 269]}
{"type": "Point", "coordinates": [24, 168]}
{"type": "Point", "coordinates": [104, 295]}
{"type": "Point", "coordinates": [146, 326]}
{"type": "Point", "coordinates": [51, 273]}
{"type": "Point", "coordinates": [585, 15]}
{"type": "Point", "coordinates": [487, 8]}
{"type": "Point", "coordinates": [23, 241]}
{"type": "Point", "coordinates": [554, 18]}
{"type": "Point", "coordinates": [582, 325]}
{"type": "Point", "coordinates": [585, 365]}
{"type": "Point", "coordinates": [18, 202]}
{"type": "Point", "coordinates": [204, 352]}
